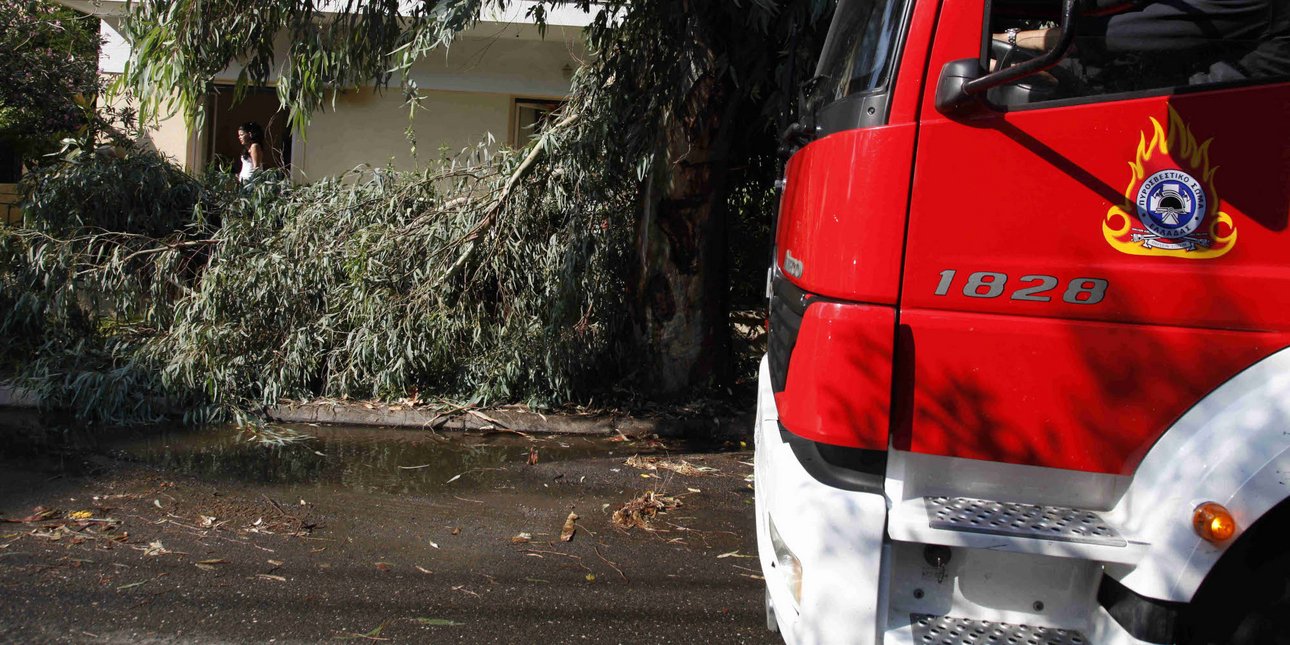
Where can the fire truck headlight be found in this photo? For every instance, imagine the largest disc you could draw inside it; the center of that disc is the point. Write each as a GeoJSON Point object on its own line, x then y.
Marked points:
{"type": "Point", "coordinates": [1213, 522]}
{"type": "Point", "coordinates": [788, 564]}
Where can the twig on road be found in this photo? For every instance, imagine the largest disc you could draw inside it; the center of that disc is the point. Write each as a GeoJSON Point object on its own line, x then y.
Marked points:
{"type": "Point", "coordinates": [611, 564]}
{"type": "Point", "coordinates": [567, 555]}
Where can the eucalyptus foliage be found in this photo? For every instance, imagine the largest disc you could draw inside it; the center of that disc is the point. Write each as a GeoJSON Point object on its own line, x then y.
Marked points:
{"type": "Point", "coordinates": [550, 274]}
{"type": "Point", "coordinates": [109, 244]}
{"type": "Point", "coordinates": [179, 45]}
{"type": "Point", "coordinates": [346, 288]}
{"type": "Point", "coordinates": [378, 284]}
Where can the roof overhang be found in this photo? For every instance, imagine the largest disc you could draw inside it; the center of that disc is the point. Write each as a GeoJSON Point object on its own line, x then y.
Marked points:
{"type": "Point", "coordinates": [513, 17]}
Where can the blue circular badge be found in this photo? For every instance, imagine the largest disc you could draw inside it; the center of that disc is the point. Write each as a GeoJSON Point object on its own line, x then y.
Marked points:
{"type": "Point", "coordinates": [1171, 204]}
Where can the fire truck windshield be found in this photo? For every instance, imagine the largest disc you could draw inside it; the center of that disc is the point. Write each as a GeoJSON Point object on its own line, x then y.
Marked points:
{"type": "Point", "coordinates": [858, 52]}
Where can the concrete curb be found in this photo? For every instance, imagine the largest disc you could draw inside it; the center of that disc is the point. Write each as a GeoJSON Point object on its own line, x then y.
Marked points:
{"type": "Point", "coordinates": [16, 397]}
{"type": "Point", "coordinates": [377, 414]}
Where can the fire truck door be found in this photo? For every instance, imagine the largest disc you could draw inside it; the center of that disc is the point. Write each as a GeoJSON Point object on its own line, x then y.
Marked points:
{"type": "Point", "coordinates": [1082, 268]}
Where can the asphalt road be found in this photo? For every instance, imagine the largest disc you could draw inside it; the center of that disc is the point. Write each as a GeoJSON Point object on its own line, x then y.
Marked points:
{"type": "Point", "coordinates": [373, 535]}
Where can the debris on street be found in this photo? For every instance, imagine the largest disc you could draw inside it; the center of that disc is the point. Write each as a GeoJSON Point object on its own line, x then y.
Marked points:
{"type": "Point", "coordinates": [215, 521]}
{"type": "Point", "coordinates": [437, 622]}
{"type": "Point", "coordinates": [680, 466]}
{"type": "Point", "coordinates": [639, 512]}
{"type": "Point", "coordinates": [566, 533]}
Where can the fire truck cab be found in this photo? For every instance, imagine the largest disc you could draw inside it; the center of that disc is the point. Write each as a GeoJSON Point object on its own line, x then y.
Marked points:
{"type": "Point", "coordinates": [1028, 375]}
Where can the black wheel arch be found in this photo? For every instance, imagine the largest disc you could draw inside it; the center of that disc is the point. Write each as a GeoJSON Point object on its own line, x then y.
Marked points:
{"type": "Point", "coordinates": [1246, 596]}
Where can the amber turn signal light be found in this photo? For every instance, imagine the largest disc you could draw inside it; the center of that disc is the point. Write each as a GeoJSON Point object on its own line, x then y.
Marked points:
{"type": "Point", "coordinates": [1213, 522]}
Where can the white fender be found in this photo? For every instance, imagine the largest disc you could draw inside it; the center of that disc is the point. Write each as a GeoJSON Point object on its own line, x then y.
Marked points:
{"type": "Point", "coordinates": [837, 536]}
{"type": "Point", "coordinates": [1233, 448]}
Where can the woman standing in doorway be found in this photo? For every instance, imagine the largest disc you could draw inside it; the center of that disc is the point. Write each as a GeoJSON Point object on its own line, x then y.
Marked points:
{"type": "Point", "coordinates": [251, 136]}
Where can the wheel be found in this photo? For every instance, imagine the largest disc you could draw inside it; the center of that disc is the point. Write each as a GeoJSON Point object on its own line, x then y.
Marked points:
{"type": "Point", "coordinates": [1244, 601]}
{"type": "Point", "coordinates": [771, 623]}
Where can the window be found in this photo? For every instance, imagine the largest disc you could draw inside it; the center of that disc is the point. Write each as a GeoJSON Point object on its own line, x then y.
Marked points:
{"type": "Point", "coordinates": [858, 52]}
{"type": "Point", "coordinates": [259, 105]}
{"type": "Point", "coordinates": [851, 86]}
{"type": "Point", "coordinates": [531, 116]}
{"type": "Point", "coordinates": [10, 164]}
{"type": "Point", "coordinates": [10, 174]}
{"type": "Point", "coordinates": [1143, 47]}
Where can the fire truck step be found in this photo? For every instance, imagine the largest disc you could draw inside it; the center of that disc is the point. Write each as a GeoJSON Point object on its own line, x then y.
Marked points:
{"type": "Point", "coordinates": [1057, 523]}
{"type": "Point", "coordinates": [949, 630]}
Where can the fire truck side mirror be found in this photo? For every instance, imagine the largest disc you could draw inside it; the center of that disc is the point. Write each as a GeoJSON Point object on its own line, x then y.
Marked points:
{"type": "Point", "coordinates": [796, 135]}
{"type": "Point", "coordinates": [964, 82]}
{"type": "Point", "coordinates": [951, 99]}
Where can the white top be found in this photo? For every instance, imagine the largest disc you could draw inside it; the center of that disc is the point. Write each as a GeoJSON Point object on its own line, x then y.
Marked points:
{"type": "Point", "coordinates": [247, 169]}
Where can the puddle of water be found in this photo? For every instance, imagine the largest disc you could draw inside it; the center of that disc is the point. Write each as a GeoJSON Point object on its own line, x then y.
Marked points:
{"type": "Point", "coordinates": [387, 460]}
{"type": "Point", "coordinates": [366, 459]}
{"type": "Point", "coordinates": [29, 437]}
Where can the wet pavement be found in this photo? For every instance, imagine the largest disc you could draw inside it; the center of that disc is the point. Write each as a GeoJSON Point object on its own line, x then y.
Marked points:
{"type": "Point", "coordinates": [367, 534]}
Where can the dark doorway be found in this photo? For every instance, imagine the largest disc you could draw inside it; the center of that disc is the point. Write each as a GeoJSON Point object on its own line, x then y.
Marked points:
{"type": "Point", "coordinates": [259, 104]}
{"type": "Point", "coordinates": [532, 116]}
{"type": "Point", "coordinates": [10, 163]}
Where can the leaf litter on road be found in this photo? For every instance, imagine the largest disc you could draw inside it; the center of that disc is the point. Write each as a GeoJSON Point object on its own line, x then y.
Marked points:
{"type": "Point", "coordinates": [437, 622]}
{"type": "Point", "coordinates": [155, 548]}
{"type": "Point", "coordinates": [132, 585]}
{"type": "Point", "coordinates": [209, 565]}
{"type": "Point", "coordinates": [373, 634]}
{"type": "Point", "coordinates": [680, 466]}
{"type": "Point", "coordinates": [640, 512]}
{"type": "Point", "coordinates": [570, 527]}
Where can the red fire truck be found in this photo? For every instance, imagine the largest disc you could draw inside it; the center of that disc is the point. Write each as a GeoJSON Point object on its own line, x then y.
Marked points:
{"type": "Point", "coordinates": [1028, 378]}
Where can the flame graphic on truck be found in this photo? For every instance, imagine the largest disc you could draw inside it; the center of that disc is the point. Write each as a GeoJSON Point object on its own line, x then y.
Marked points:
{"type": "Point", "coordinates": [1175, 153]}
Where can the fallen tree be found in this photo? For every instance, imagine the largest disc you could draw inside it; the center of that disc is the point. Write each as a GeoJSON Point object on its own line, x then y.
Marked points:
{"type": "Point", "coordinates": [374, 285]}
{"type": "Point", "coordinates": [594, 260]}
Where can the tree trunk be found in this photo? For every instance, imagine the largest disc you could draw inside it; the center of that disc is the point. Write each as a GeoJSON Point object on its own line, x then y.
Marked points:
{"type": "Point", "coordinates": [681, 282]}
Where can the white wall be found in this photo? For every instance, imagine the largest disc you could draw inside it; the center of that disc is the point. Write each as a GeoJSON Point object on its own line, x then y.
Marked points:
{"type": "Point", "coordinates": [115, 51]}
{"type": "Point", "coordinates": [564, 27]}
{"type": "Point", "coordinates": [170, 135]}
{"type": "Point", "coordinates": [469, 91]}
{"type": "Point", "coordinates": [503, 62]}
{"type": "Point", "coordinates": [369, 128]}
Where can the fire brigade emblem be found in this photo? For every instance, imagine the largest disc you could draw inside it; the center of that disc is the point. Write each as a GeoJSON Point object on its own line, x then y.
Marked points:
{"type": "Point", "coordinates": [1171, 207]}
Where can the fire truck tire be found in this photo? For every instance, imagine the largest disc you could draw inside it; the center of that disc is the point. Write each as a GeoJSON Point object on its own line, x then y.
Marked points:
{"type": "Point", "coordinates": [771, 623]}
{"type": "Point", "coordinates": [1247, 605]}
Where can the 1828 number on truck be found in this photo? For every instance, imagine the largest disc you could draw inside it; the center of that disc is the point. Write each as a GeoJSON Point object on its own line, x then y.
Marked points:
{"type": "Point", "coordinates": [1033, 288]}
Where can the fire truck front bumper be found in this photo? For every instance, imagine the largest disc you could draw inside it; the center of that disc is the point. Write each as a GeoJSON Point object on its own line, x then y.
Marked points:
{"type": "Point", "coordinates": [820, 547]}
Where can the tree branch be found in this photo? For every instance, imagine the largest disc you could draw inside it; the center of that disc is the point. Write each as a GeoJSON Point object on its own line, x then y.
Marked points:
{"type": "Point", "coordinates": [490, 217]}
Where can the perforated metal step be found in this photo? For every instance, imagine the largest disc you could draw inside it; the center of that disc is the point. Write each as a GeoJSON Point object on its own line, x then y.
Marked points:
{"type": "Point", "coordinates": [948, 630]}
{"type": "Point", "coordinates": [1056, 523]}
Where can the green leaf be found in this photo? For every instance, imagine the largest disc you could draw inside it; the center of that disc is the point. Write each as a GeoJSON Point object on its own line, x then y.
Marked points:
{"type": "Point", "coordinates": [437, 622]}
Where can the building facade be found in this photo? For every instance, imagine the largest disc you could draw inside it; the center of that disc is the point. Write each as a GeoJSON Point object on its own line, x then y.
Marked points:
{"type": "Point", "coordinates": [497, 80]}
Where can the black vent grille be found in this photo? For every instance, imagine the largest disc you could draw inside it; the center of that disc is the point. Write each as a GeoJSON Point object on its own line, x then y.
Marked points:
{"type": "Point", "coordinates": [787, 308]}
